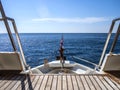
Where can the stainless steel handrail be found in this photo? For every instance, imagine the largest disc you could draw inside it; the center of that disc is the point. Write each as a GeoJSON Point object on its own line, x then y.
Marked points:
{"type": "Point", "coordinates": [85, 61]}
{"type": "Point", "coordinates": [19, 43]}
{"type": "Point", "coordinates": [107, 41]}
{"type": "Point", "coordinates": [7, 26]}
{"type": "Point", "coordinates": [4, 18]}
{"type": "Point", "coordinates": [115, 39]}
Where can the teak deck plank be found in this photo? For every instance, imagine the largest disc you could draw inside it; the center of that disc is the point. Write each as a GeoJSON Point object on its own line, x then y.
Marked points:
{"type": "Point", "coordinates": [64, 82]}
{"type": "Point", "coordinates": [99, 83]}
{"type": "Point", "coordinates": [4, 81]}
{"type": "Point", "coordinates": [43, 85]}
{"type": "Point", "coordinates": [92, 87]}
{"type": "Point", "coordinates": [35, 81]}
{"type": "Point", "coordinates": [97, 87]}
{"type": "Point", "coordinates": [54, 85]}
{"type": "Point", "coordinates": [28, 84]}
{"type": "Point", "coordinates": [118, 85]}
{"type": "Point", "coordinates": [105, 83]}
{"type": "Point", "coordinates": [75, 86]}
{"type": "Point", "coordinates": [22, 78]}
{"type": "Point", "coordinates": [84, 83]}
{"type": "Point", "coordinates": [57, 82]}
{"type": "Point", "coordinates": [49, 83]}
{"type": "Point", "coordinates": [80, 84]}
{"type": "Point", "coordinates": [39, 83]}
{"type": "Point", "coordinates": [110, 83]}
{"type": "Point", "coordinates": [22, 84]}
{"type": "Point", "coordinates": [12, 83]}
{"type": "Point", "coordinates": [70, 85]}
{"type": "Point", "coordinates": [7, 83]}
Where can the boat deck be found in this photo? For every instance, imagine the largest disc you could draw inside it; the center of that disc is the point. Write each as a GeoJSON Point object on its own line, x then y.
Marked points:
{"type": "Point", "coordinates": [57, 82]}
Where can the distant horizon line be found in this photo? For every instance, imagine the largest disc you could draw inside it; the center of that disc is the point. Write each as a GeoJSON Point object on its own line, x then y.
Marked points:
{"type": "Point", "coordinates": [55, 32]}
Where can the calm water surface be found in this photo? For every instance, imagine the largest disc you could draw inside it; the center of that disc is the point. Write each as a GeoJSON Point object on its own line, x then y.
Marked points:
{"type": "Point", "coordinates": [37, 47]}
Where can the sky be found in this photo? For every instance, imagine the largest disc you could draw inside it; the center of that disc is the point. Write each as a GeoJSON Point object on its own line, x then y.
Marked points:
{"type": "Point", "coordinates": [62, 16]}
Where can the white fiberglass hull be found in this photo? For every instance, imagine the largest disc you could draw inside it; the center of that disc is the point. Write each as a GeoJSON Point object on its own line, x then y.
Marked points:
{"type": "Point", "coordinates": [55, 67]}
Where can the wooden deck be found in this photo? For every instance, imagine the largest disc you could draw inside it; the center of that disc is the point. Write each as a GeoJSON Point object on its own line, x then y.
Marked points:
{"type": "Point", "coordinates": [57, 82]}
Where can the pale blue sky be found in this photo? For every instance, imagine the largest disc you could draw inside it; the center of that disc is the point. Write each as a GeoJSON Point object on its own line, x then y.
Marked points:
{"type": "Point", "coordinates": [62, 16]}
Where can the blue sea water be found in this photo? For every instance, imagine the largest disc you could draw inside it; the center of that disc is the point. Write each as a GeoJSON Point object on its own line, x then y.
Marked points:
{"type": "Point", "coordinates": [38, 46]}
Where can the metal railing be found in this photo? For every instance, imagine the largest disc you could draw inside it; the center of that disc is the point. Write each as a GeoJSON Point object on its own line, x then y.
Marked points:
{"type": "Point", "coordinates": [108, 39]}
{"type": "Point", "coordinates": [97, 67]}
{"type": "Point", "coordinates": [84, 60]}
{"type": "Point", "coordinates": [5, 20]}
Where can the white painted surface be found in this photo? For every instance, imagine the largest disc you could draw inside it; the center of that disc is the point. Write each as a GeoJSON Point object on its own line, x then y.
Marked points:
{"type": "Point", "coordinates": [10, 61]}
{"type": "Point", "coordinates": [111, 62]}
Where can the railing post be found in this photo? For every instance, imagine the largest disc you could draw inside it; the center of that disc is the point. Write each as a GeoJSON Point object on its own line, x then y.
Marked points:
{"type": "Point", "coordinates": [106, 44]}
{"type": "Point", "coordinates": [115, 39]}
{"type": "Point", "coordinates": [107, 41]}
{"type": "Point", "coordinates": [19, 43]}
{"type": "Point", "coordinates": [7, 26]}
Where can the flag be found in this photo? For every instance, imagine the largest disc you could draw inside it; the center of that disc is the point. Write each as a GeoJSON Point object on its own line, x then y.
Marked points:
{"type": "Point", "coordinates": [61, 42]}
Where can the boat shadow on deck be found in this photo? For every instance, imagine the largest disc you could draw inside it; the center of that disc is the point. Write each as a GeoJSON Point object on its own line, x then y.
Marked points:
{"type": "Point", "coordinates": [11, 81]}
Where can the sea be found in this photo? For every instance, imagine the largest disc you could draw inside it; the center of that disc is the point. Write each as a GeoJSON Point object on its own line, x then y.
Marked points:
{"type": "Point", "coordinates": [40, 46]}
